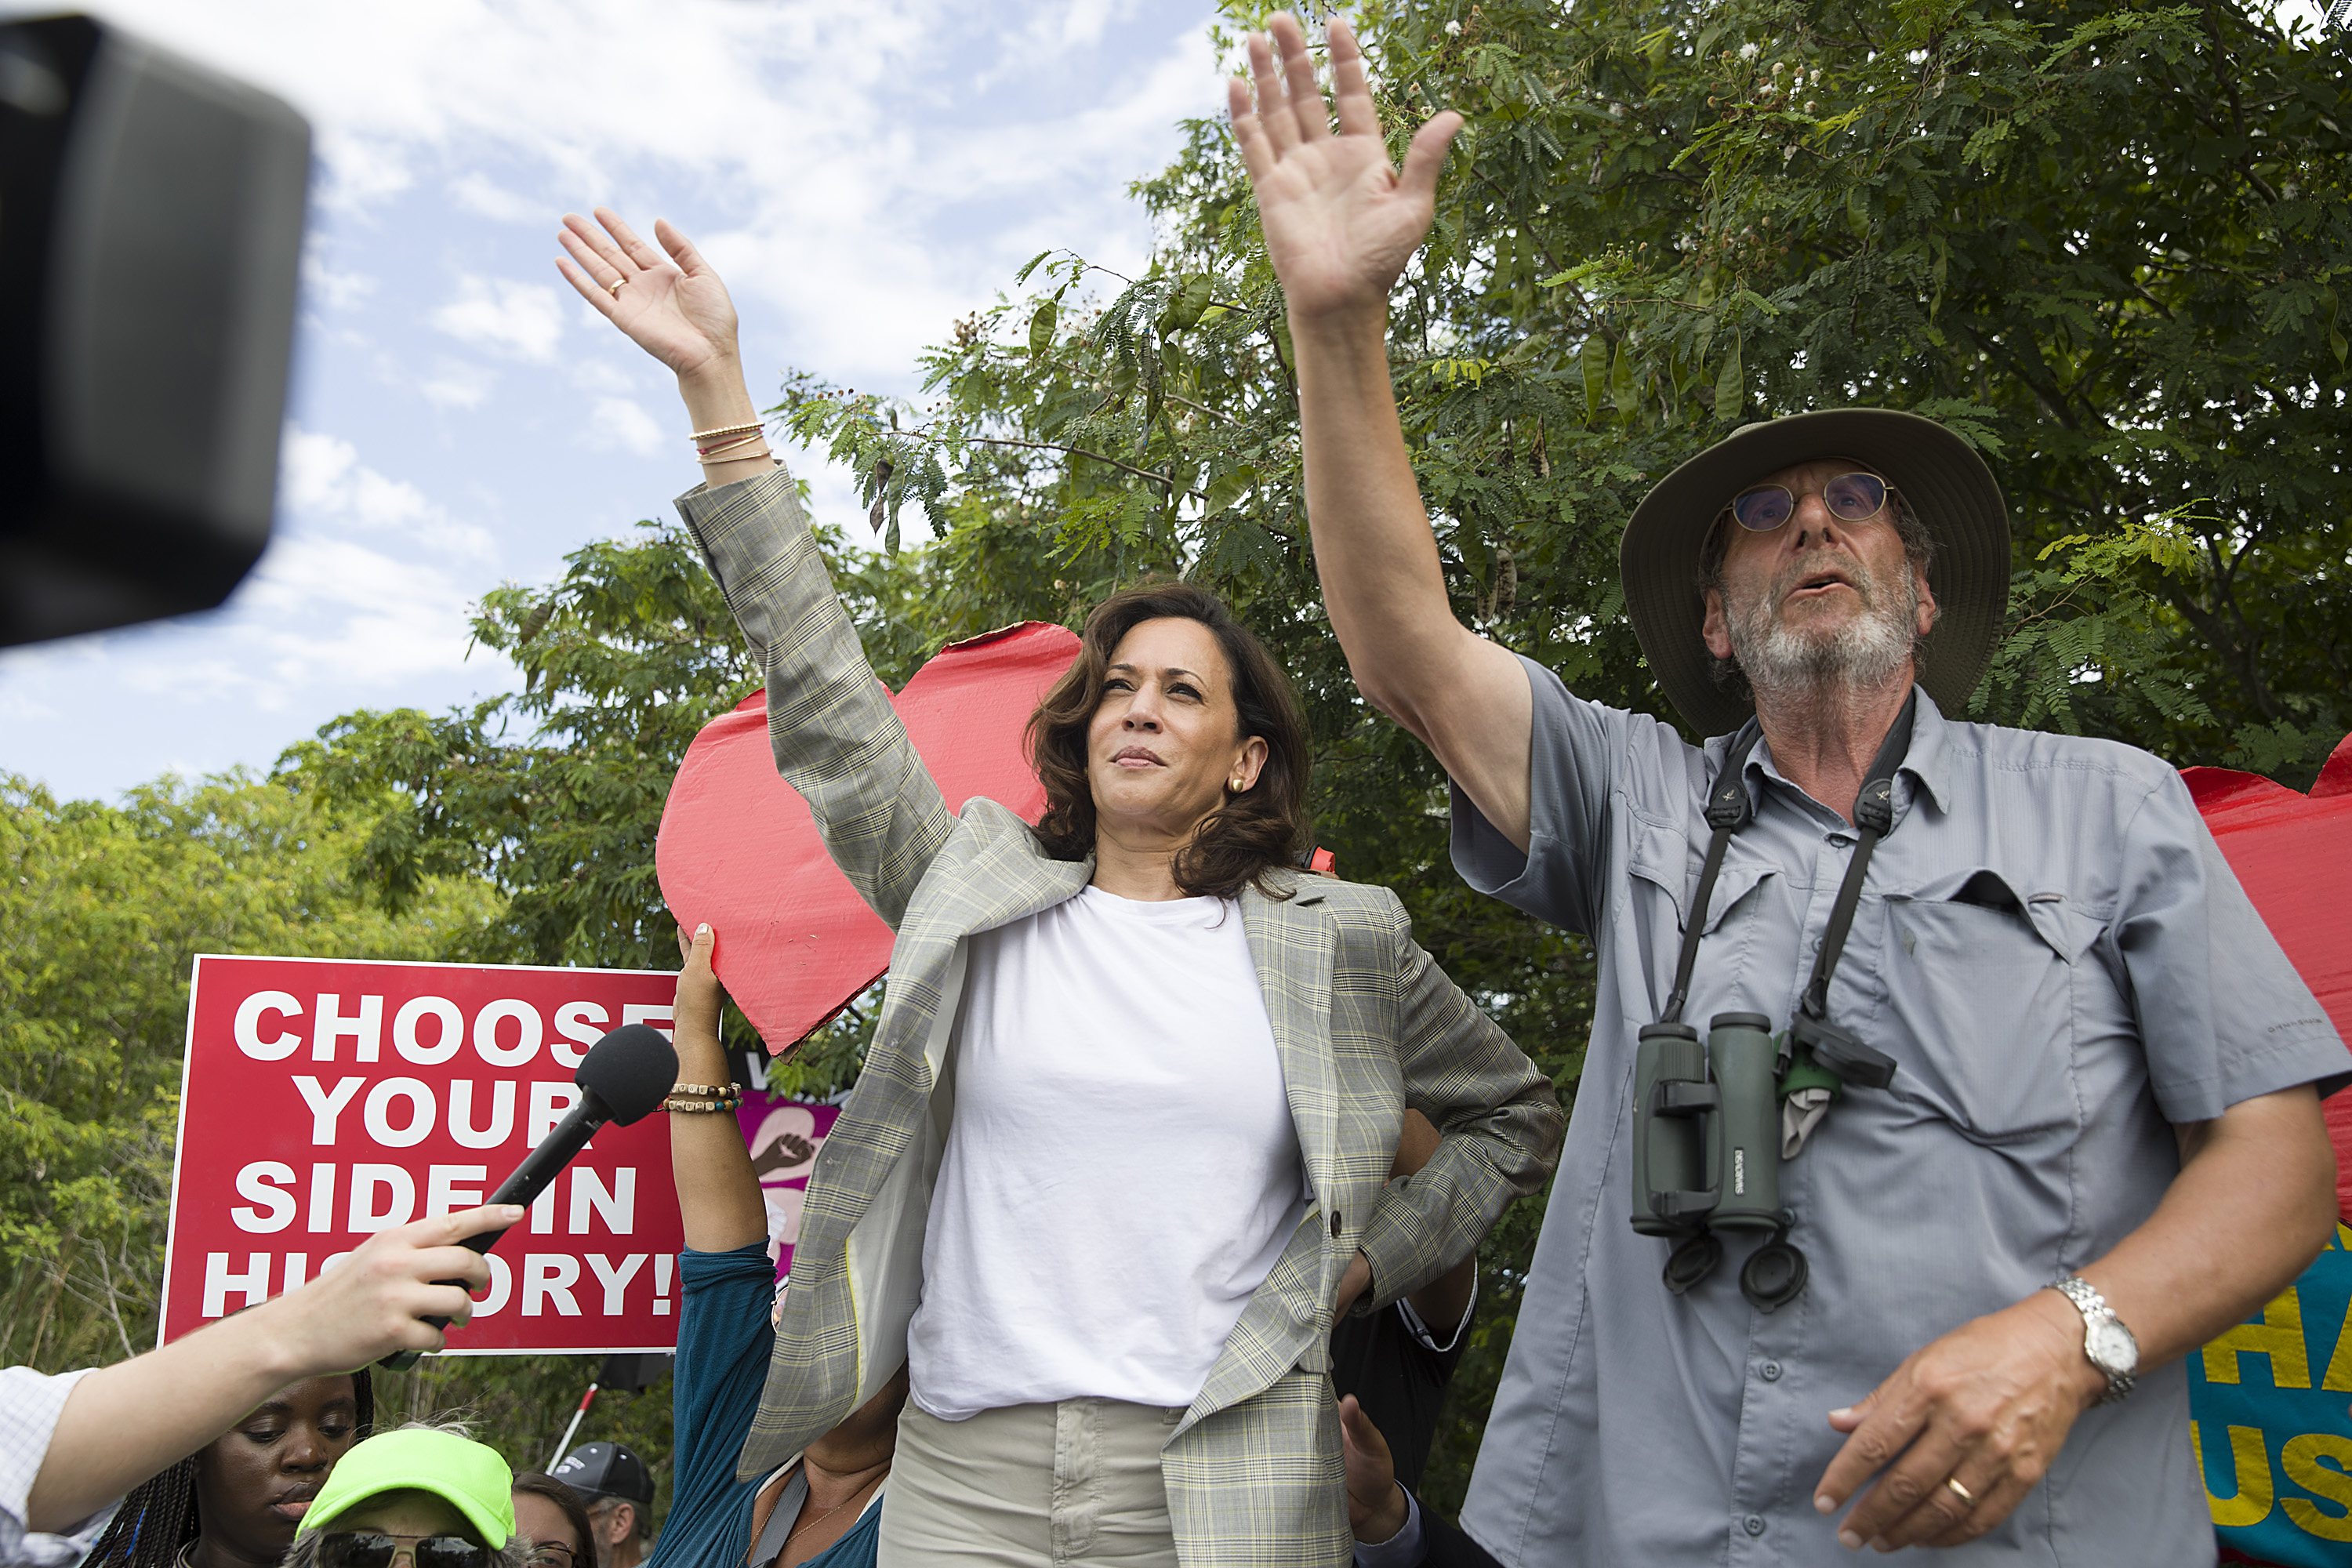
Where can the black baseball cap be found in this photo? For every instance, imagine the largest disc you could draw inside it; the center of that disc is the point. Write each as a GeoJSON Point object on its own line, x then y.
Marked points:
{"type": "Point", "coordinates": [606, 1470]}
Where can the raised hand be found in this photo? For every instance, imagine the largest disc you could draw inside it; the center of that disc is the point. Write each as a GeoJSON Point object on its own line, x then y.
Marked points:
{"type": "Point", "coordinates": [1340, 222]}
{"type": "Point", "coordinates": [699, 997]}
{"type": "Point", "coordinates": [672, 306]}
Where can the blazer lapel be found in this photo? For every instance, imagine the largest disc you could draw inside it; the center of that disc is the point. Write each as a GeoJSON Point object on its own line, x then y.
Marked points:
{"type": "Point", "coordinates": [990, 874]}
{"type": "Point", "coordinates": [1291, 942]}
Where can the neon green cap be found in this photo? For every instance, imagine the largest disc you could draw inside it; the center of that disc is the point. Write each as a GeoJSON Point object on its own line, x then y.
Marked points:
{"type": "Point", "coordinates": [471, 1476]}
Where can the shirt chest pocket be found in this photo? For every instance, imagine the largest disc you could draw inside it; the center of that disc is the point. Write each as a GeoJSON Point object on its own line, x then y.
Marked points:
{"type": "Point", "coordinates": [1980, 983]}
{"type": "Point", "coordinates": [1665, 867]}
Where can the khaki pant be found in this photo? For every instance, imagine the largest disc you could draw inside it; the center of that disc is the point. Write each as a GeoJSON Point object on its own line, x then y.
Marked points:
{"type": "Point", "coordinates": [1031, 1486]}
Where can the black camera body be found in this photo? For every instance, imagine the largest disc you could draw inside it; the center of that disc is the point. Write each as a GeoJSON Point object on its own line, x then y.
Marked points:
{"type": "Point", "coordinates": [151, 212]}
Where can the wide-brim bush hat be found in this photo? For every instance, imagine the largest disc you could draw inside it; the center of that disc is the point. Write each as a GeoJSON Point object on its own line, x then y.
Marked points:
{"type": "Point", "coordinates": [1948, 485]}
{"type": "Point", "coordinates": [471, 1476]}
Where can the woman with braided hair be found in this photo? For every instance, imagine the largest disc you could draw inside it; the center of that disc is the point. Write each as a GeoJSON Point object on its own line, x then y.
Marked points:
{"type": "Point", "coordinates": [237, 1502]}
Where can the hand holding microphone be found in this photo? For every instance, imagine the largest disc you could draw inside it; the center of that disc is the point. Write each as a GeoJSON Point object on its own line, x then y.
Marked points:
{"type": "Point", "coordinates": [623, 1079]}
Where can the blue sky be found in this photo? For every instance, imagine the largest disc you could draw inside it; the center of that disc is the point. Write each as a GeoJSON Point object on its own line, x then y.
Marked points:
{"type": "Point", "coordinates": [862, 176]}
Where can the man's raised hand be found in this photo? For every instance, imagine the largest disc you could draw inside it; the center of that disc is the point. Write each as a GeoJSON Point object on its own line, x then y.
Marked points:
{"type": "Point", "coordinates": [672, 306]}
{"type": "Point", "coordinates": [1340, 222]}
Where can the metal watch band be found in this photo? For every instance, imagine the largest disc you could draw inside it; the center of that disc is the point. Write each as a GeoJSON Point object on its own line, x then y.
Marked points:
{"type": "Point", "coordinates": [2095, 1311]}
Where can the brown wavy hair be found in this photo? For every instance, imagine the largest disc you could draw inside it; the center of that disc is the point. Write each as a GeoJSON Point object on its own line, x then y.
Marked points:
{"type": "Point", "coordinates": [1251, 834]}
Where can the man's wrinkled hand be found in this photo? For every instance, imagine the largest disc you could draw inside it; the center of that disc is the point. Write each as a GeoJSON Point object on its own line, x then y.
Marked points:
{"type": "Point", "coordinates": [1376, 1509]}
{"type": "Point", "coordinates": [1340, 220]}
{"type": "Point", "coordinates": [1986, 1406]}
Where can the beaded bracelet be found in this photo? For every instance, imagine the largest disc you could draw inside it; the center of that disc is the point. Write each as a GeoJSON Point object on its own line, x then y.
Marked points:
{"type": "Point", "coordinates": [703, 1098]}
{"type": "Point", "coordinates": [712, 435]}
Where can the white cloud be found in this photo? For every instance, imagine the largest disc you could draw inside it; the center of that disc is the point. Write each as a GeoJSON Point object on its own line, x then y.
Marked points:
{"type": "Point", "coordinates": [324, 286]}
{"type": "Point", "coordinates": [323, 481]}
{"type": "Point", "coordinates": [361, 171]}
{"type": "Point", "coordinates": [618, 419]}
{"type": "Point", "coordinates": [477, 193]}
{"type": "Point", "coordinates": [364, 596]}
{"type": "Point", "coordinates": [603, 374]}
{"type": "Point", "coordinates": [498, 314]}
{"type": "Point", "coordinates": [458, 386]}
{"type": "Point", "coordinates": [21, 708]}
{"type": "Point", "coordinates": [323, 611]}
{"type": "Point", "coordinates": [842, 139]}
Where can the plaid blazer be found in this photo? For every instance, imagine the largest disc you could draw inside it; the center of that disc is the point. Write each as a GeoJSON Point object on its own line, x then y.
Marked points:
{"type": "Point", "coordinates": [1365, 1023]}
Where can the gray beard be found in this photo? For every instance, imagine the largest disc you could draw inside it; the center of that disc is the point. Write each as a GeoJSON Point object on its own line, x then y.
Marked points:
{"type": "Point", "coordinates": [1862, 655]}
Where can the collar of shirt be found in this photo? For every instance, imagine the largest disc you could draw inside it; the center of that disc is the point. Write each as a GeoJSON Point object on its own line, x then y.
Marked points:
{"type": "Point", "coordinates": [1925, 766]}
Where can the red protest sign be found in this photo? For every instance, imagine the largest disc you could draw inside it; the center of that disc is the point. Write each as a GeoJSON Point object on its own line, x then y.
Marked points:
{"type": "Point", "coordinates": [323, 1100]}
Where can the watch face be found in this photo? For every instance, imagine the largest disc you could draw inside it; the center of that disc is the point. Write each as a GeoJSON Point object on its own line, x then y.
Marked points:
{"type": "Point", "coordinates": [2111, 1347]}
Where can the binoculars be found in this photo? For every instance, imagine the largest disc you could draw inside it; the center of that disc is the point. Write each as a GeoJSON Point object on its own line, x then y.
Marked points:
{"type": "Point", "coordinates": [1707, 1135]}
{"type": "Point", "coordinates": [1707, 1150]}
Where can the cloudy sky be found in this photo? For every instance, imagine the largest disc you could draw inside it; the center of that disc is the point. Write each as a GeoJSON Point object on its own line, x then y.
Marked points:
{"type": "Point", "coordinates": [861, 174]}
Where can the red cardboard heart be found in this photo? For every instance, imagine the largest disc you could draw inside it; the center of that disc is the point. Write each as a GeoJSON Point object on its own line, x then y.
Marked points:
{"type": "Point", "coordinates": [2291, 851]}
{"type": "Point", "coordinates": [738, 848]}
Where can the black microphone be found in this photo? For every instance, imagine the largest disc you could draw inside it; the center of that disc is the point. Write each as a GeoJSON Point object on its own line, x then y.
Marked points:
{"type": "Point", "coordinates": [623, 1079]}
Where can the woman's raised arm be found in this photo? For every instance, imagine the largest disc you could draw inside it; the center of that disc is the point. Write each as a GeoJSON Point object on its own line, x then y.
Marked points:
{"type": "Point", "coordinates": [675, 307]}
{"type": "Point", "coordinates": [836, 737]}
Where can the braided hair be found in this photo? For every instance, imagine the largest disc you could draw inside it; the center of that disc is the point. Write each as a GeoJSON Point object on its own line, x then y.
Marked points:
{"type": "Point", "coordinates": [158, 1518]}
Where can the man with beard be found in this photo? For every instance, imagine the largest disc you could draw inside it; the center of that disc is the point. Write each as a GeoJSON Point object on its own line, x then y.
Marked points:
{"type": "Point", "coordinates": [2047, 1089]}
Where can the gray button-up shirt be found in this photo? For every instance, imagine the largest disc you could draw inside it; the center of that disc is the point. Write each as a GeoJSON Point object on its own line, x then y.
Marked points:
{"type": "Point", "coordinates": [2056, 955]}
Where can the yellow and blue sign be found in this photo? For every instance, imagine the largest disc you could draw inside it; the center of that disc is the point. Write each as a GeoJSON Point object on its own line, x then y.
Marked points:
{"type": "Point", "coordinates": [2272, 1406]}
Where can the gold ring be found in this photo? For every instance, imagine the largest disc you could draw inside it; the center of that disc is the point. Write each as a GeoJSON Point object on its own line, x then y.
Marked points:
{"type": "Point", "coordinates": [1960, 1492]}
{"type": "Point", "coordinates": [613, 288]}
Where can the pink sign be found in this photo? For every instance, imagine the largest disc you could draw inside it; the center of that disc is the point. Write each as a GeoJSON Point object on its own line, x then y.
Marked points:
{"type": "Point", "coordinates": [783, 1136]}
{"type": "Point", "coordinates": [323, 1100]}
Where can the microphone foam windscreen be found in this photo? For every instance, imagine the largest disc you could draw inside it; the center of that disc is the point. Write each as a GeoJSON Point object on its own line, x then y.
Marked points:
{"type": "Point", "coordinates": [630, 1069]}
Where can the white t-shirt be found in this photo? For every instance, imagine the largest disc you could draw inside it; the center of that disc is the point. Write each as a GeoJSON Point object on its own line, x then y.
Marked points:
{"type": "Point", "coordinates": [1122, 1172]}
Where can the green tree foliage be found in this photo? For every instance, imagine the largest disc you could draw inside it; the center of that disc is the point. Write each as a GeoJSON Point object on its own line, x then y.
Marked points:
{"type": "Point", "coordinates": [550, 795]}
{"type": "Point", "coordinates": [2105, 243]}
{"type": "Point", "coordinates": [101, 909]}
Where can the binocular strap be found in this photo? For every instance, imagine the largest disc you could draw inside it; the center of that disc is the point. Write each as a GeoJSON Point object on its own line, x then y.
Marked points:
{"type": "Point", "coordinates": [1819, 1056]}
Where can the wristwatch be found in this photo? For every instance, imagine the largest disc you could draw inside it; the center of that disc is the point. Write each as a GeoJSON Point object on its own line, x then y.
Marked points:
{"type": "Point", "coordinates": [2107, 1342]}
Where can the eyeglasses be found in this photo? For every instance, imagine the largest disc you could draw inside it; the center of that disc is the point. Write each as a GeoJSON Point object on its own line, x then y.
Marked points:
{"type": "Point", "coordinates": [1850, 498]}
{"type": "Point", "coordinates": [374, 1549]}
{"type": "Point", "coordinates": [549, 1554]}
